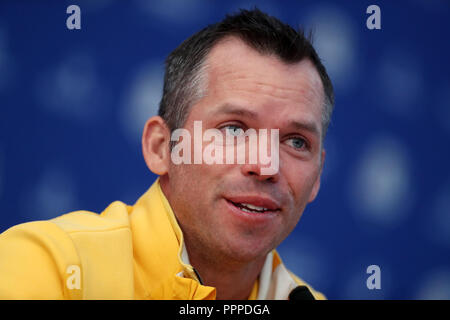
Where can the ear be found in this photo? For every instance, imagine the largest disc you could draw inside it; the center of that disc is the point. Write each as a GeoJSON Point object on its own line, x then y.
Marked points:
{"type": "Point", "coordinates": [155, 145]}
{"type": "Point", "coordinates": [316, 186]}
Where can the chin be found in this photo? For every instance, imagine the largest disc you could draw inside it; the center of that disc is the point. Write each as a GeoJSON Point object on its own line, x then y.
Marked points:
{"type": "Point", "coordinates": [248, 250]}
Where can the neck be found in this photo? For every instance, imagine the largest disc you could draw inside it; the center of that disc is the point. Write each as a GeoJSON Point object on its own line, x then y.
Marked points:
{"type": "Point", "coordinates": [233, 280]}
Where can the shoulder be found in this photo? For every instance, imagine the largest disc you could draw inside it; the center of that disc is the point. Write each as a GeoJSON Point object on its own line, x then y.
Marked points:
{"type": "Point", "coordinates": [35, 256]}
{"type": "Point", "coordinates": [114, 217]}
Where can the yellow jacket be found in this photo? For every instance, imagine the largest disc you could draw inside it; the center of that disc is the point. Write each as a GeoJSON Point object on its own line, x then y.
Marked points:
{"type": "Point", "coordinates": [126, 252]}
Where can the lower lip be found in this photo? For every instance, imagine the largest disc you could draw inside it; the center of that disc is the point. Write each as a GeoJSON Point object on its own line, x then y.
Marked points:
{"type": "Point", "coordinates": [251, 217]}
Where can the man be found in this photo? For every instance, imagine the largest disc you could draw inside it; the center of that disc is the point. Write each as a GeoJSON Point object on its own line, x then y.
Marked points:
{"type": "Point", "coordinates": [203, 230]}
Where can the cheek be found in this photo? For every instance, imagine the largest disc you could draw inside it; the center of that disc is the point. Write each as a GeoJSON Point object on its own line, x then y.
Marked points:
{"type": "Point", "coordinates": [181, 185]}
{"type": "Point", "coordinates": [300, 185]}
{"type": "Point", "coordinates": [193, 181]}
{"type": "Point", "coordinates": [185, 186]}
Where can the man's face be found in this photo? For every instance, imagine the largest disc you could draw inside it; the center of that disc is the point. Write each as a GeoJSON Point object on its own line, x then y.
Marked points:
{"type": "Point", "coordinates": [248, 90]}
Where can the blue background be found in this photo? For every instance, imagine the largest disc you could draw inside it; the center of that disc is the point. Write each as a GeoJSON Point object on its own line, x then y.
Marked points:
{"type": "Point", "coordinates": [73, 104]}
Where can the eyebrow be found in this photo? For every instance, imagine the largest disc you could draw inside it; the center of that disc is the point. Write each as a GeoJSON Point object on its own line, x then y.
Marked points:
{"type": "Point", "coordinates": [236, 110]}
{"type": "Point", "coordinates": [307, 126]}
{"type": "Point", "coordinates": [232, 109]}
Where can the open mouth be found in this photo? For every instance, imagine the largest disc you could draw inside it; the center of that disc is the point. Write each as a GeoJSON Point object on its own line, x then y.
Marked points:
{"type": "Point", "coordinates": [254, 205]}
{"type": "Point", "coordinates": [247, 207]}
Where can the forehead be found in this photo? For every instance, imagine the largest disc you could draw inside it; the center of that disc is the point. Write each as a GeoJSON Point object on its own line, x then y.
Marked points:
{"type": "Point", "coordinates": [233, 65]}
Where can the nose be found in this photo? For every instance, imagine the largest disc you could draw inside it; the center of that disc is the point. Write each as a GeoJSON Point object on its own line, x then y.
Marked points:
{"type": "Point", "coordinates": [258, 163]}
{"type": "Point", "coordinates": [254, 170]}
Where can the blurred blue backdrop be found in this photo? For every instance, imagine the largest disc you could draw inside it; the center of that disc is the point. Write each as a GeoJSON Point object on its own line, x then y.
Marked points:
{"type": "Point", "coordinates": [73, 104]}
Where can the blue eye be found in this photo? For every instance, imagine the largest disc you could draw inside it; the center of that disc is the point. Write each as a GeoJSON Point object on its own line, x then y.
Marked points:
{"type": "Point", "coordinates": [234, 130]}
{"type": "Point", "coordinates": [296, 143]}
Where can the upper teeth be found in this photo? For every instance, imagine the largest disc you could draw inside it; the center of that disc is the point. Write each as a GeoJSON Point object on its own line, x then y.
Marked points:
{"type": "Point", "coordinates": [250, 206]}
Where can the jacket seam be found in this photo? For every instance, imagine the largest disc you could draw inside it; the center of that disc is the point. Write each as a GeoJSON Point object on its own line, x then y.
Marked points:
{"type": "Point", "coordinates": [89, 231]}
